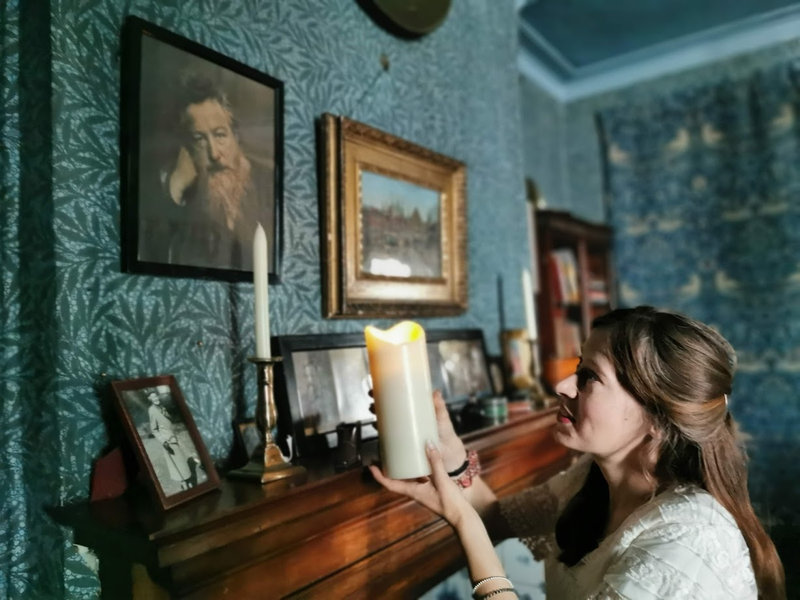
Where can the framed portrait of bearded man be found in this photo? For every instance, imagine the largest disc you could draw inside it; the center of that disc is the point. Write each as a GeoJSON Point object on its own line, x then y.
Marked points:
{"type": "Point", "coordinates": [201, 158]}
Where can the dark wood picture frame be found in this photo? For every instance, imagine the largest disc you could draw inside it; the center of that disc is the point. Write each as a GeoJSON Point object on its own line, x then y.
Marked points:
{"type": "Point", "coordinates": [322, 373]}
{"type": "Point", "coordinates": [394, 237]}
{"type": "Point", "coordinates": [173, 460]}
{"type": "Point", "coordinates": [201, 142]}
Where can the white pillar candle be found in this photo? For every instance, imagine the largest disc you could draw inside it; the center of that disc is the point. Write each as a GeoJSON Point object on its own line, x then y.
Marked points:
{"type": "Point", "coordinates": [260, 285]}
{"type": "Point", "coordinates": [527, 298]}
{"type": "Point", "coordinates": [401, 386]}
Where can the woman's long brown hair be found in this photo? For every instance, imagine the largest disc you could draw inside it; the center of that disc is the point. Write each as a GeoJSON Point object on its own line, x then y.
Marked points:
{"type": "Point", "coordinates": [682, 372]}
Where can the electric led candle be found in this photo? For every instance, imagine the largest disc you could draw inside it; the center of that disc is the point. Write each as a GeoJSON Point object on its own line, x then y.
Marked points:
{"type": "Point", "coordinates": [401, 386]}
{"type": "Point", "coordinates": [260, 285]}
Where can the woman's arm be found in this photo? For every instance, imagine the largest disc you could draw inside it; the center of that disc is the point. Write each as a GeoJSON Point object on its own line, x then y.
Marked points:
{"type": "Point", "coordinates": [479, 494]}
{"type": "Point", "coordinates": [440, 494]}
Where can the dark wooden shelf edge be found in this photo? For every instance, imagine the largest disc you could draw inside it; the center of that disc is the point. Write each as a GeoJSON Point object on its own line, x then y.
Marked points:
{"type": "Point", "coordinates": [344, 531]}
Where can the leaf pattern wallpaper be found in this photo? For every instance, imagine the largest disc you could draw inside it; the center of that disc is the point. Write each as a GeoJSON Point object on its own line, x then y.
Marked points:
{"type": "Point", "coordinates": [703, 188]}
{"type": "Point", "coordinates": [72, 321]}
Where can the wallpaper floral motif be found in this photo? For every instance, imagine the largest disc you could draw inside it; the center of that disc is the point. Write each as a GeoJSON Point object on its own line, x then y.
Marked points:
{"type": "Point", "coordinates": [704, 186]}
{"type": "Point", "coordinates": [72, 321]}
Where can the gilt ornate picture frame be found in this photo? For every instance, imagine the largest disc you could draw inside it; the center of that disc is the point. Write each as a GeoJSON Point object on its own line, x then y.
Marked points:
{"type": "Point", "coordinates": [395, 234]}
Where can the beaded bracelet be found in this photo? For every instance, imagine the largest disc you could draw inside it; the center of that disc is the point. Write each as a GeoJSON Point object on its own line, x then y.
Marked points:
{"type": "Point", "coordinates": [473, 469]}
{"type": "Point", "coordinates": [461, 469]}
{"type": "Point", "coordinates": [490, 578]}
{"type": "Point", "coordinates": [498, 591]}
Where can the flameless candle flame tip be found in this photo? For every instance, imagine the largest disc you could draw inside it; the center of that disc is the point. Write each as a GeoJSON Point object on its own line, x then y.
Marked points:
{"type": "Point", "coordinates": [403, 332]}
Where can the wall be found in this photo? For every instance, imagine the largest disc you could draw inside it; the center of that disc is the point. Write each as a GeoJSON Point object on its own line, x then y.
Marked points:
{"type": "Point", "coordinates": [738, 273]}
{"type": "Point", "coordinates": [561, 149]}
{"type": "Point", "coordinates": [72, 322]}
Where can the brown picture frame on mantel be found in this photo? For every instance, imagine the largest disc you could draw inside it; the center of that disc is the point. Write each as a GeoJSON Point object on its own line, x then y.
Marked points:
{"type": "Point", "coordinates": [173, 460]}
{"type": "Point", "coordinates": [395, 231]}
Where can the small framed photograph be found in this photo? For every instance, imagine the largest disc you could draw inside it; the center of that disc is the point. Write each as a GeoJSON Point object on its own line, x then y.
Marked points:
{"type": "Point", "coordinates": [170, 453]}
{"type": "Point", "coordinates": [326, 382]}
{"type": "Point", "coordinates": [201, 158]}
{"type": "Point", "coordinates": [459, 365]}
{"type": "Point", "coordinates": [517, 358]}
{"type": "Point", "coordinates": [394, 234]}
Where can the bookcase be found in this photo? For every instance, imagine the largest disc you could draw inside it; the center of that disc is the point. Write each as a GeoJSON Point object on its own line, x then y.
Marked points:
{"type": "Point", "coordinates": [576, 284]}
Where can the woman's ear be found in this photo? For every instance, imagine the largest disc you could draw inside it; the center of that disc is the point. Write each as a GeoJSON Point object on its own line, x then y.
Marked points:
{"type": "Point", "coordinates": [655, 433]}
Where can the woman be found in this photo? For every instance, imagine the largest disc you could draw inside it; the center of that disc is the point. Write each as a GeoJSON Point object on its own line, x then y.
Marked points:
{"type": "Point", "coordinates": [656, 508]}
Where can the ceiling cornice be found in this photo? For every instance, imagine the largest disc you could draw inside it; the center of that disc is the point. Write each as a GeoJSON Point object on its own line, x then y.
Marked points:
{"type": "Point", "coordinates": [555, 74]}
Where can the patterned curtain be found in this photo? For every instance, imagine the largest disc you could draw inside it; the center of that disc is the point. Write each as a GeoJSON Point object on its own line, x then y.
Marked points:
{"type": "Point", "coordinates": [703, 193]}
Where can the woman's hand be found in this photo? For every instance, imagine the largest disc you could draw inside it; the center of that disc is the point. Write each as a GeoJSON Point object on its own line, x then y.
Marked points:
{"type": "Point", "coordinates": [437, 492]}
{"type": "Point", "coordinates": [452, 448]}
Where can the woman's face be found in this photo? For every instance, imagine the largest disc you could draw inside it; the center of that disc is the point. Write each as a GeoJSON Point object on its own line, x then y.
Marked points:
{"type": "Point", "coordinates": [597, 414]}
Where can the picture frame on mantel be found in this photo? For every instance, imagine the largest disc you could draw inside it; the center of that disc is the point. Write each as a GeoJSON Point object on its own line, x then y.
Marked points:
{"type": "Point", "coordinates": [173, 461]}
{"type": "Point", "coordinates": [324, 381]}
{"type": "Point", "coordinates": [395, 229]}
{"type": "Point", "coordinates": [201, 141]}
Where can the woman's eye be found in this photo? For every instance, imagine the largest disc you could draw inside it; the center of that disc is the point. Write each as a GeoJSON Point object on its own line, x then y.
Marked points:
{"type": "Point", "coordinates": [584, 376]}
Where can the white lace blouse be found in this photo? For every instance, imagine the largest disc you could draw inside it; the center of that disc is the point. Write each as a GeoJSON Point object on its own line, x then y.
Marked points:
{"type": "Point", "coordinates": [680, 545]}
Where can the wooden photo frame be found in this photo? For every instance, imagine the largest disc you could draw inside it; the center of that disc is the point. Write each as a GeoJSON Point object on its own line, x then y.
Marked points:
{"type": "Point", "coordinates": [173, 460]}
{"type": "Point", "coordinates": [395, 232]}
{"type": "Point", "coordinates": [201, 158]}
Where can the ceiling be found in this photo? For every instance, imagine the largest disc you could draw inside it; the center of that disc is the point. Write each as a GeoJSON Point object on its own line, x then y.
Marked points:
{"type": "Point", "coordinates": [577, 48]}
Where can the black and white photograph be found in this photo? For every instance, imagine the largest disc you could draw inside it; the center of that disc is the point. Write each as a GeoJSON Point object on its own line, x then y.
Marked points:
{"type": "Point", "coordinates": [332, 387]}
{"type": "Point", "coordinates": [459, 365]}
{"type": "Point", "coordinates": [165, 438]}
{"type": "Point", "coordinates": [327, 383]}
{"type": "Point", "coordinates": [202, 157]}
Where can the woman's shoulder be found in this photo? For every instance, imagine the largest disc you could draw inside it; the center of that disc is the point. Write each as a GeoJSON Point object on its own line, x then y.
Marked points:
{"type": "Point", "coordinates": [688, 537]}
{"type": "Point", "coordinates": [687, 512]}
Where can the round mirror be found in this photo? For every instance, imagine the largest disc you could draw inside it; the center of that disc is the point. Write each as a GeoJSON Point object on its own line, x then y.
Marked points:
{"type": "Point", "coordinates": [407, 18]}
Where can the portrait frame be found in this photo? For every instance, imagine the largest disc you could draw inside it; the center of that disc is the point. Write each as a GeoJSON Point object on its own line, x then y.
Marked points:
{"type": "Point", "coordinates": [179, 216]}
{"type": "Point", "coordinates": [164, 439]}
{"type": "Point", "coordinates": [395, 230]}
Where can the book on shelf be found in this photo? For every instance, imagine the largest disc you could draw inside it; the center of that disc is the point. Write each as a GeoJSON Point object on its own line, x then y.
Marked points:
{"type": "Point", "coordinates": [563, 275]}
{"type": "Point", "coordinates": [597, 290]}
{"type": "Point", "coordinates": [567, 334]}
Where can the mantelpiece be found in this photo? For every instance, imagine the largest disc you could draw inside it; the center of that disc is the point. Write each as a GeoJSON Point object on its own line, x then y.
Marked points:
{"type": "Point", "coordinates": [336, 535]}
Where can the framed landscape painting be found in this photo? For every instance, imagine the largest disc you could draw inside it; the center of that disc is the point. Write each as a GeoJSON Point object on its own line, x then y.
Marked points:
{"type": "Point", "coordinates": [395, 225]}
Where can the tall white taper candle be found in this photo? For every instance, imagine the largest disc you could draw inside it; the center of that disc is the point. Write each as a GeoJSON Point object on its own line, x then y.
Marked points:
{"type": "Point", "coordinates": [260, 285]}
{"type": "Point", "coordinates": [527, 299]}
{"type": "Point", "coordinates": [401, 386]}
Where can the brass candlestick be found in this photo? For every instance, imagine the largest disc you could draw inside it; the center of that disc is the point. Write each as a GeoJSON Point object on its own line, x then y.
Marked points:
{"type": "Point", "coordinates": [267, 462]}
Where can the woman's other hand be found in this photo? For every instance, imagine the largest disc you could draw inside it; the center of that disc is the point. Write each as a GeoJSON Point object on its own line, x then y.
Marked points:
{"type": "Point", "coordinates": [437, 492]}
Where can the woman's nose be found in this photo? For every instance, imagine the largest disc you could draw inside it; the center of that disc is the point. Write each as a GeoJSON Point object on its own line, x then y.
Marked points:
{"type": "Point", "coordinates": [568, 386]}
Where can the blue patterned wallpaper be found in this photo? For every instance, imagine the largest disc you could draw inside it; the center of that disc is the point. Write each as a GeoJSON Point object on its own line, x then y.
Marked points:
{"type": "Point", "coordinates": [72, 321]}
{"type": "Point", "coordinates": [703, 189]}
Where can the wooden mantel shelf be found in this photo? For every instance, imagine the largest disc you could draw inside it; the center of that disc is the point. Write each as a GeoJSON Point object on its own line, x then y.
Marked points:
{"type": "Point", "coordinates": [336, 535]}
